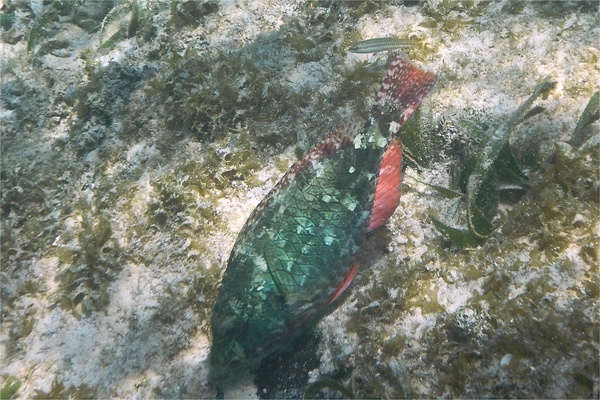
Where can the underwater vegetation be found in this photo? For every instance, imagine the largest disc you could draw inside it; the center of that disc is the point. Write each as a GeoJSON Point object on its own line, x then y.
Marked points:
{"type": "Point", "coordinates": [590, 114]}
{"type": "Point", "coordinates": [113, 22]}
{"type": "Point", "coordinates": [93, 264]}
{"type": "Point", "coordinates": [488, 171]}
{"type": "Point", "coordinates": [10, 388]}
{"type": "Point", "coordinates": [46, 27]}
{"type": "Point", "coordinates": [59, 391]}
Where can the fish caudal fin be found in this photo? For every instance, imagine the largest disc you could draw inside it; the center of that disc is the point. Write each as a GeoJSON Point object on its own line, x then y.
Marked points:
{"type": "Point", "coordinates": [402, 90]}
{"type": "Point", "coordinates": [387, 191]}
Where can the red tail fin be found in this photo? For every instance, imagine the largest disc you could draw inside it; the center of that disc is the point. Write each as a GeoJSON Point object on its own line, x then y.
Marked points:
{"type": "Point", "coordinates": [403, 89]}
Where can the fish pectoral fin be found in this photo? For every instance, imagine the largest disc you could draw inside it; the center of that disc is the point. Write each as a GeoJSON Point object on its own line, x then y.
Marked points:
{"type": "Point", "coordinates": [345, 283]}
{"type": "Point", "coordinates": [387, 191]}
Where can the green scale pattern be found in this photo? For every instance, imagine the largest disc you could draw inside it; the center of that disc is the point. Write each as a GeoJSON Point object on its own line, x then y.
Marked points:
{"type": "Point", "coordinates": [293, 256]}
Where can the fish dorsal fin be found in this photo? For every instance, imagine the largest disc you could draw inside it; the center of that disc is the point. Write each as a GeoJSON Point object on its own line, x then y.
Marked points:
{"type": "Point", "coordinates": [387, 191]}
{"type": "Point", "coordinates": [402, 90]}
{"type": "Point", "coordinates": [338, 139]}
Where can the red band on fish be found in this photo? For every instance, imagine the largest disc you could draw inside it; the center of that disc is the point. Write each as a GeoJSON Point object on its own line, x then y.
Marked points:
{"type": "Point", "coordinates": [387, 191]}
{"type": "Point", "coordinates": [347, 281]}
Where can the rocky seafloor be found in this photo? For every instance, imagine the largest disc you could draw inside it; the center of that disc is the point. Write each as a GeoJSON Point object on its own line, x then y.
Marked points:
{"type": "Point", "coordinates": [137, 137]}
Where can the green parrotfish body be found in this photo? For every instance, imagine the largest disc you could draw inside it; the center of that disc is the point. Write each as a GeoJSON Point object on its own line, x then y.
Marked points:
{"type": "Point", "coordinates": [296, 253]}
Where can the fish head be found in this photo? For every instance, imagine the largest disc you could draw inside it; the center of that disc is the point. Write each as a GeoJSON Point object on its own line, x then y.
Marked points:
{"type": "Point", "coordinates": [246, 326]}
{"type": "Point", "coordinates": [229, 347]}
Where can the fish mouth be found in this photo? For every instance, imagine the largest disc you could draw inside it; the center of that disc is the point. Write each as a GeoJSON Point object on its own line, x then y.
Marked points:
{"type": "Point", "coordinates": [219, 361]}
{"type": "Point", "coordinates": [220, 367]}
{"type": "Point", "coordinates": [222, 361]}
{"type": "Point", "coordinates": [224, 370]}
{"type": "Point", "coordinates": [218, 373]}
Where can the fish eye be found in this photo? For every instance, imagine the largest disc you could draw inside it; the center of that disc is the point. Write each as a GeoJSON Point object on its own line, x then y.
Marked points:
{"type": "Point", "coordinates": [230, 327]}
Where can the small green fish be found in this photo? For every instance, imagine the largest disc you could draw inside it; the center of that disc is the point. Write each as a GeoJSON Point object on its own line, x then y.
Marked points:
{"type": "Point", "coordinates": [380, 44]}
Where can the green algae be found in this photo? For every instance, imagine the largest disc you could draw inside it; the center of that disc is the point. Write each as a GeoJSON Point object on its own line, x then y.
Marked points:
{"type": "Point", "coordinates": [194, 295]}
{"type": "Point", "coordinates": [450, 16]}
{"type": "Point", "coordinates": [10, 388]}
{"type": "Point", "coordinates": [419, 146]}
{"type": "Point", "coordinates": [36, 29]}
{"type": "Point", "coordinates": [90, 267]}
{"type": "Point", "coordinates": [128, 20]}
{"type": "Point", "coordinates": [571, 179]}
{"type": "Point", "coordinates": [184, 205]}
{"type": "Point", "coordinates": [128, 7]}
{"type": "Point", "coordinates": [43, 26]}
{"type": "Point", "coordinates": [191, 13]}
{"type": "Point", "coordinates": [27, 199]}
{"type": "Point", "coordinates": [59, 391]}
{"type": "Point", "coordinates": [330, 11]}
{"type": "Point", "coordinates": [209, 94]}
{"type": "Point", "coordinates": [21, 326]}
{"type": "Point", "coordinates": [358, 82]}
{"type": "Point", "coordinates": [7, 20]}
{"type": "Point", "coordinates": [515, 326]}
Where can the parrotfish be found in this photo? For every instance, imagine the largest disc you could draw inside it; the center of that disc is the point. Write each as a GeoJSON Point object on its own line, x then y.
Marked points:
{"type": "Point", "coordinates": [296, 253]}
